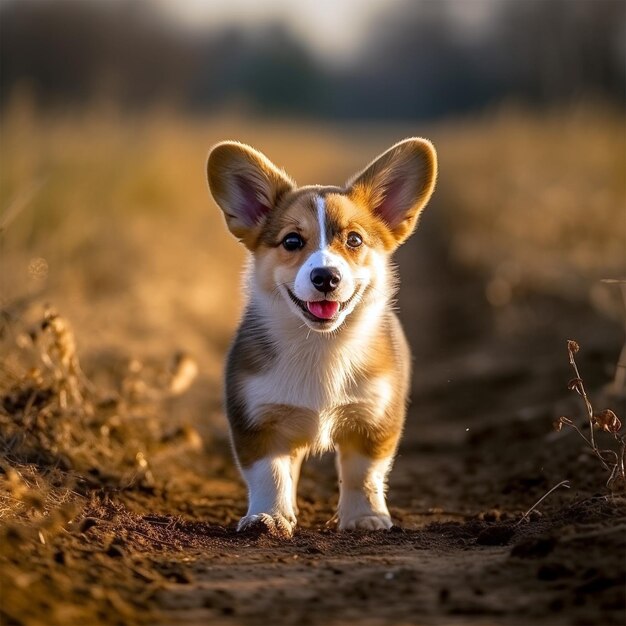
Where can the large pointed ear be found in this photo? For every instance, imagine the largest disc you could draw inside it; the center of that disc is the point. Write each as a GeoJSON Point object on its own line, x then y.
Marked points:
{"type": "Point", "coordinates": [246, 185]}
{"type": "Point", "coordinates": [396, 185]}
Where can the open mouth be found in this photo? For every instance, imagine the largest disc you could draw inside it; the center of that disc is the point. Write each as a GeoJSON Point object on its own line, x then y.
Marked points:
{"type": "Point", "coordinates": [320, 311]}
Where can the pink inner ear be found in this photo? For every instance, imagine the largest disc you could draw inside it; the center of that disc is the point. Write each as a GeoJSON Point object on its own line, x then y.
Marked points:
{"type": "Point", "coordinates": [252, 210]}
{"type": "Point", "coordinates": [391, 209]}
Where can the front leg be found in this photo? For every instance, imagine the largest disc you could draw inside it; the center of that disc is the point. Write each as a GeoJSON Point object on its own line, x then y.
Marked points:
{"type": "Point", "coordinates": [270, 496]}
{"type": "Point", "coordinates": [362, 484]}
{"type": "Point", "coordinates": [296, 465]}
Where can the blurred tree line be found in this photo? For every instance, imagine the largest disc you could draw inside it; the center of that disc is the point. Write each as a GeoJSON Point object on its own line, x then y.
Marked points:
{"type": "Point", "coordinates": [417, 60]}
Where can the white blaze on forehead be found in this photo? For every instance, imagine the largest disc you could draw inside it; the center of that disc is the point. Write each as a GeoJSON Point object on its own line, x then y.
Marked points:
{"type": "Point", "coordinates": [323, 257]}
{"type": "Point", "coordinates": [321, 220]}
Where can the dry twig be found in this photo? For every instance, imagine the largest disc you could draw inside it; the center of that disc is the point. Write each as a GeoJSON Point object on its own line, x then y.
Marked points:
{"type": "Point", "coordinates": [606, 421]}
{"type": "Point", "coordinates": [563, 483]}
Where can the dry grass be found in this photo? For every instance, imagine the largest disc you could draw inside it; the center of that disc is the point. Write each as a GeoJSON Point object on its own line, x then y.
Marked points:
{"type": "Point", "coordinates": [541, 201]}
{"type": "Point", "coordinates": [533, 202]}
{"type": "Point", "coordinates": [109, 218]}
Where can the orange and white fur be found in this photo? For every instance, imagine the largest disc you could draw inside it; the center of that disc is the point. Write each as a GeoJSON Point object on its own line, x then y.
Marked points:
{"type": "Point", "coordinates": [320, 360]}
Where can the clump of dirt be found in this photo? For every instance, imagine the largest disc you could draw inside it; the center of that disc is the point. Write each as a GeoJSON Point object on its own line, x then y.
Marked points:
{"type": "Point", "coordinates": [53, 416]}
{"type": "Point", "coordinates": [65, 444]}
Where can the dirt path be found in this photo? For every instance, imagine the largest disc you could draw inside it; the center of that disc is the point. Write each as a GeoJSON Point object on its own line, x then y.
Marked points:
{"type": "Point", "coordinates": [478, 451]}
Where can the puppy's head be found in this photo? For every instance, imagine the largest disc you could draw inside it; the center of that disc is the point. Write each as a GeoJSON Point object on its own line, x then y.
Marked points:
{"type": "Point", "coordinates": [321, 252]}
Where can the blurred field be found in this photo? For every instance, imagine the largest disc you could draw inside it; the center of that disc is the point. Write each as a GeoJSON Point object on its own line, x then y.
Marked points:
{"type": "Point", "coordinates": [538, 202]}
{"type": "Point", "coordinates": [118, 207]}
{"type": "Point", "coordinates": [107, 217]}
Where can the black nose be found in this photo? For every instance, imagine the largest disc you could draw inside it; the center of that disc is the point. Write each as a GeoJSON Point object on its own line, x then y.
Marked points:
{"type": "Point", "coordinates": [325, 279]}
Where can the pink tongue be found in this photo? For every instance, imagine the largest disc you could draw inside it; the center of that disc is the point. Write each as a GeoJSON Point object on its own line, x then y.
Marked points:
{"type": "Point", "coordinates": [324, 309]}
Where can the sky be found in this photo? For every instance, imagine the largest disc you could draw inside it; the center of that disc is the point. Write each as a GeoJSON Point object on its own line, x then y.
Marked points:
{"type": "Point", "coordinates": [331, 27]}
{"type": "Point", "coordinates": [334, 29]}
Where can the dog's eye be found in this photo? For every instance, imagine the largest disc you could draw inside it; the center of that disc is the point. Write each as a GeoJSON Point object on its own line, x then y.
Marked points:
{"type": "Point", "coordinates": [354, 240]}
{"type": "Point", "coordinates": [292, 242]}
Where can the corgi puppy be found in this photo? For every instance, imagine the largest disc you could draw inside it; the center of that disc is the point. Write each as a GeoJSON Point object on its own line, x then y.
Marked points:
{"type": "Point", "coordinates": [320, 360]}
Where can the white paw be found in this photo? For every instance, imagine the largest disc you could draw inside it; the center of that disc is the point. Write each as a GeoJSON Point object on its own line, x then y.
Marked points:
{"type": "Point", "coordinates": [274, 525]}
{"type": "Point", "coordinates": [366, 522]}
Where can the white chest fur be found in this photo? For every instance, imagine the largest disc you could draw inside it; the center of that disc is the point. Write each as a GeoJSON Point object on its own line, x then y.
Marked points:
{"type": "Point", "coordinates": [314, 375]}
{"type": "Point", "coordinates": [321, 374]}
